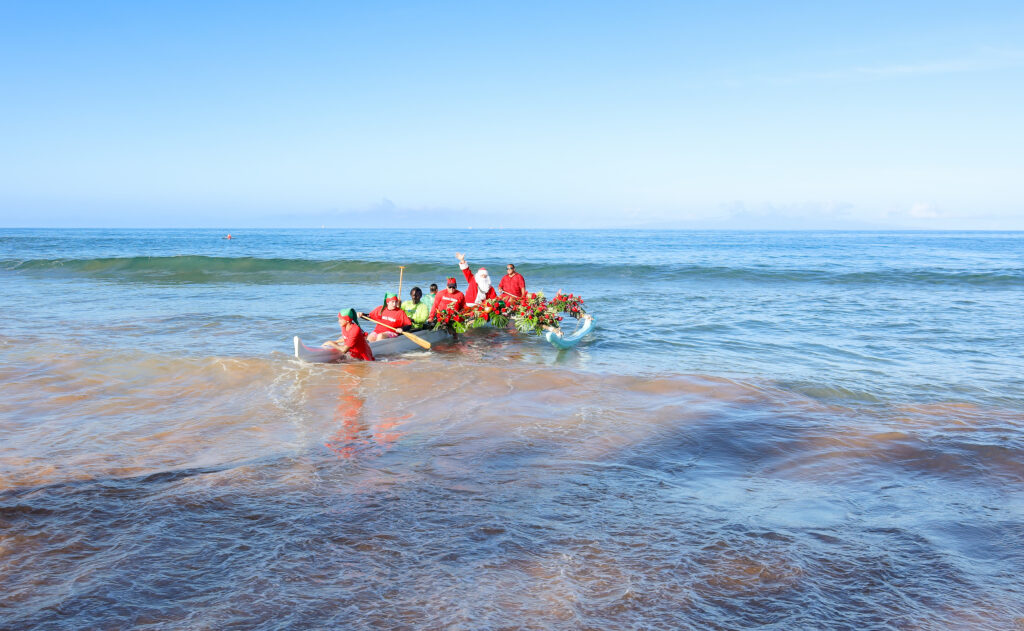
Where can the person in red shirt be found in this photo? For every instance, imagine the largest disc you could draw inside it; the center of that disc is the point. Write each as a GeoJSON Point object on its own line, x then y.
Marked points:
{"type": "Point", "coordinates": [479, 288]}
{"type": "Point", "coordinates": [512, 283]}
{"type": "Point", "coordinates": [352, 340]}
{"type": "Point", "coordinates": [448, 298]}
{"type": "Point", "coordinates": [391, 314]}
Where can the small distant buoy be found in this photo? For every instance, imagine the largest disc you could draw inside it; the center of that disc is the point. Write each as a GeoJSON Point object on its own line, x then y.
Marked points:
{"type": "Point", "coordinates": [229, 236]}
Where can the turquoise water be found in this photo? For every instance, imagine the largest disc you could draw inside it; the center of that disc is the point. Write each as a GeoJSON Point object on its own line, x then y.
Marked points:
{"type": "Point", "coordinates": [877, 315]}
{"type": "Point", "coordinates": [766, 429]}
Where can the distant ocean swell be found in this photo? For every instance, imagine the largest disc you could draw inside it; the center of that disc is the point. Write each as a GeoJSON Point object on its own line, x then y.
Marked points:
{"type": "Point", "coordinates": [251, 270]}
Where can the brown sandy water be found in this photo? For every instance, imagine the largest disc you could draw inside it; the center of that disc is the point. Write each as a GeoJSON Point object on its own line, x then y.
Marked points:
{"type": "Point", "coordinates": [448, 492]}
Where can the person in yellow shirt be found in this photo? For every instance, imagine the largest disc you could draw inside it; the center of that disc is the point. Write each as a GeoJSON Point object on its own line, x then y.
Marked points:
{"type": "Point", "coordinates": [417, 310]}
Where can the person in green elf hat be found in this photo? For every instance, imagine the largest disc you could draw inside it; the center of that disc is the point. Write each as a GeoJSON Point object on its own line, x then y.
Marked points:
{"type": "Point", "coordinates": [352, 340]}
{"type": "Point", "coordinates": [389, 318]}
{"type": "Point", "coordinates": [417, 310]}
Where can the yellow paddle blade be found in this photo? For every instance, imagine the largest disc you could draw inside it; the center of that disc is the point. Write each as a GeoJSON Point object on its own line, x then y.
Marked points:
{"type": "Point", "coordinates": [417, 339]}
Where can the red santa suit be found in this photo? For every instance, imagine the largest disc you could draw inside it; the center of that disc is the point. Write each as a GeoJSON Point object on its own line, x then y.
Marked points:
{"type": "Point", "coordinates": [445, 300]}
{"type": "Point", "coordinates": [476, 283]}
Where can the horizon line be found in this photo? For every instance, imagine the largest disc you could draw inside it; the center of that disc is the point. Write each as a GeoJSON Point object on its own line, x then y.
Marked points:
{"type": "Point", "coordinates": [499, 229]}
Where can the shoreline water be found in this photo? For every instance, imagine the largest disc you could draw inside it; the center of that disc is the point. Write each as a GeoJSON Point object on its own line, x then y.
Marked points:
{"type": "Point", "coordinates": [834, 433]}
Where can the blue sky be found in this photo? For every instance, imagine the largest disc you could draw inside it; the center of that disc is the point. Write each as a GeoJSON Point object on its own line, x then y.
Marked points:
{"type": "Point", "coordinates": [684, 115]}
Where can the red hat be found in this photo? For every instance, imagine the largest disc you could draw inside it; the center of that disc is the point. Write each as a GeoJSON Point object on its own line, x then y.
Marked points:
{"type": "Point", "coordinates": [451, 279]}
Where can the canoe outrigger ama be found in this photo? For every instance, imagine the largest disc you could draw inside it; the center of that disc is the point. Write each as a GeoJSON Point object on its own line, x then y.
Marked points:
{"type": "Point", "coordinates": [561, 341]}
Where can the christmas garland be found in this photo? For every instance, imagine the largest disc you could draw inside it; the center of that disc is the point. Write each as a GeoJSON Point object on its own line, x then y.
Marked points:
{"type": "Point", "coordinates": [493, 311]}
{"type": "Point", "coordinates": [530, 314]}
{"type": "Point", "coordinates": [451, 319]}
{"type": "Point", "coordinates": [568, 303]}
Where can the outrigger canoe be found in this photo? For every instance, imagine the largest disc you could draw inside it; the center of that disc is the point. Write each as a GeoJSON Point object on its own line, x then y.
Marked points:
{"type": "Point", "coordinates": [402, 344]}
{"type": "Point", "coordinates": [380, 348]}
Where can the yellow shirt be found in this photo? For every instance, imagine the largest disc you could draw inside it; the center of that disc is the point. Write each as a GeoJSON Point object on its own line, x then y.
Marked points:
{"type": "Point", "coordinates": [418, 313]}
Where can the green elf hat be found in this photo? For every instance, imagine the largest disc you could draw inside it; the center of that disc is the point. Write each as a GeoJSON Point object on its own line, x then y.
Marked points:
{"type": "Point", "coordinates": [349, 315]}
{"type": "Point", "coordinates": [389, 296]}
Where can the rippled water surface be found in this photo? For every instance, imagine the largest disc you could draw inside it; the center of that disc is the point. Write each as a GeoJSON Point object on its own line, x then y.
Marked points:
{"type": "Point", "coordinates": [766, 430]}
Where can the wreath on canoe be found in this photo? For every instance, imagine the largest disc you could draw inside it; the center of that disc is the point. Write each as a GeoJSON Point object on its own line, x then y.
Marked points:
{"type": "Point", "coordinates": [530, 314]}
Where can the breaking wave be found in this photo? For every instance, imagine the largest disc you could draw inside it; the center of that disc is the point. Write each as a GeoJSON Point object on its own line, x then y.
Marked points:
{"type": "Point", "coordinates": [210, 269]}
{"type": "Point", "coordinates": [252, 270]}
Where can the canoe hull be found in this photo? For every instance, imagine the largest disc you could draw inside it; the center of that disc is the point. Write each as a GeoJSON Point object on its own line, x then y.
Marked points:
{"type": "Point", "coordinates": [401, 344]}
{"type": "Point", "coordinates": [380, 348]}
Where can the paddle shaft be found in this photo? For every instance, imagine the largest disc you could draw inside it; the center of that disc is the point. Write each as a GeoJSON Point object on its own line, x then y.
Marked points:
{"type": "Point", "coordinates": [401, 272]}
{"type": "Point", "coordinates": [415, 338]}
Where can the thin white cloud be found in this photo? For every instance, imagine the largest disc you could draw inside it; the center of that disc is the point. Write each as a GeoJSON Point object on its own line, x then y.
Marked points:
{"type": "Point", "coordinates": [808, 209]}
{"type": "Point", "coordinates": [982, 60]}
{"type": "Point", "coordinates": [923, 210]}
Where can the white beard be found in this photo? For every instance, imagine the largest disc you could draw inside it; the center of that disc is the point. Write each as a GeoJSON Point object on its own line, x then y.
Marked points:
{"type": "Point", "coordinates": [483, 285]}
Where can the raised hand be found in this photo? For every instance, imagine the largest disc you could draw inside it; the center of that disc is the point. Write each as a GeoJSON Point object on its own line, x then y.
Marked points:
{"type": "Point", "coordinates": [461, 257]}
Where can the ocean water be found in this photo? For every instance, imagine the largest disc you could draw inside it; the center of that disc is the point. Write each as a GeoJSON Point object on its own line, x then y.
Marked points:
{"type": "Point", "coordinates": [781, 430]}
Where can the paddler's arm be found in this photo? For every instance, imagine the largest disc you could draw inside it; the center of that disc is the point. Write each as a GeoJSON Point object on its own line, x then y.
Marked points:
{"type": "Point", "coordinates": [335, 344]}
{"type": "Point", "coordinates": [398, 329]}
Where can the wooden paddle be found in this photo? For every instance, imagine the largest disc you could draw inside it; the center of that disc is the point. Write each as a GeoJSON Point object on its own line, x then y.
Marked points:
{"type": "Point", "coordinates": [415, 338]}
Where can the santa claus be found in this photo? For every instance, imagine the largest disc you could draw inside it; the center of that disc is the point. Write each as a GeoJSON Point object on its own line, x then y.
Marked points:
{"type": "Point", "coordinates": [480, 288]}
